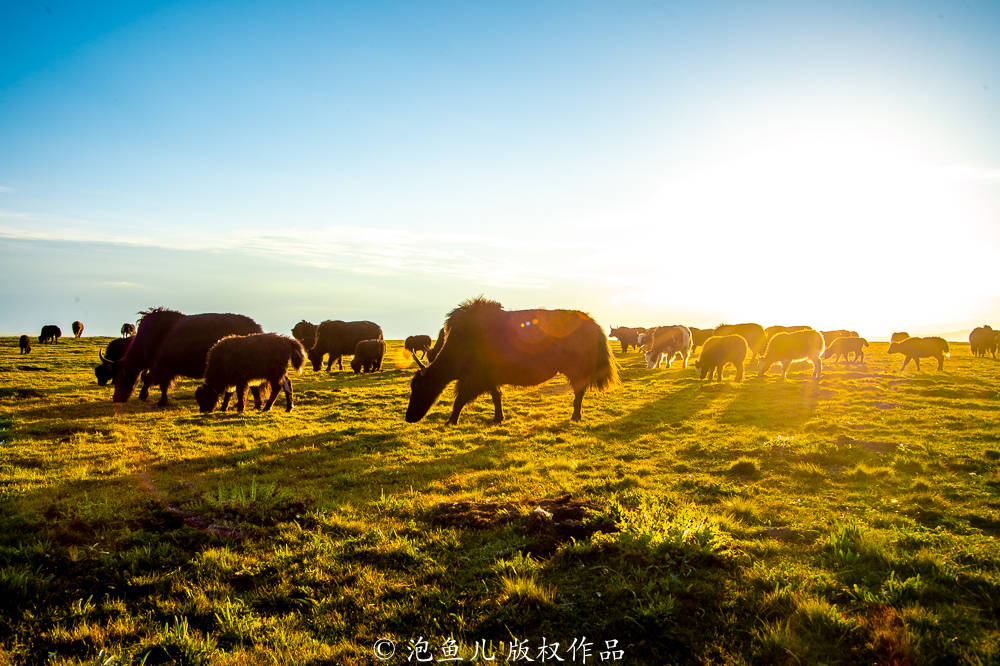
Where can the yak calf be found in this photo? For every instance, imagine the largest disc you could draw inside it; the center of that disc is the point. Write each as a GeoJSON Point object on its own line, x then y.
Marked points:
{"type": "Point", "coordinates": [238, 361]}
{"type": "Point", "coordinates": [786, 348]}
{"type": "Point", "coordinates": [843, 346]}
{"type": "Point", "coordinates": [50, 333]}
{"type": "Point", "coordinates": [668, 341]}
{"type": "Point", "coordinates": [720, 350]}
{"type": "Point", "coordinates": [368, 356]}
{"type": "Point", "coordinates": [418, 343]}
{"type": "Point", "coordinates": [25, 343]}
{"type": "Point", "coordinates": [915, 349]}
{"type": "Point", "coordinates": [983, 341]}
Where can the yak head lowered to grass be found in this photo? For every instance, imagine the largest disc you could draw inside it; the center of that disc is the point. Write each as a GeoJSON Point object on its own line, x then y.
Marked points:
{"type": "Point", "coordinates": [485, 347]}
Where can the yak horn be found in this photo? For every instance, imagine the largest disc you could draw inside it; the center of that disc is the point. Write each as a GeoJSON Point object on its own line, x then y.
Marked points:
{"type": "Point", "coordinates": [422, 366]}
{"type": "Point", "coordinates": [101, 354]}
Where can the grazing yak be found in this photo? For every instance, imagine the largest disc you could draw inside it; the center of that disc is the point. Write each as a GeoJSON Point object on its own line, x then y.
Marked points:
{"type": "Point", "coordinates": [337, 338]}
{"type": "Point", "coordinates": [154, 326]}
{"type": "Point", "coordinates": [25, 343]}
{"type": "Point", "coordinates": [983, 341]}
{"type": "Point", "coordinates": [899, 336]}
{"type": "Point", "coordinates": [917, 348]}
{"type": "Point", "coordinates": [236, 362]}
{"type": "Point", "coordinates": [770, 331]}
{"type": "Point", "coordinates": [368, 356]}
{"type": "Point", "coordinates": [699, 336]}
{"type": "Point", "coordinates": [50, 333]}
{"type": "Point", "coordinates": [667, 341]}
{"type": "Point", "coordinates": [112, 356]}
{"type": "Point", "coordinates": [128, 330]}
{"type": "Point", "coordinates": [418, 343]}
{"type": "Point", "coordinates": [786, 348]}
{"type": "Point", "coordinates": [627, 336]}
{"type": "Point", "coordinates": [720, 350]}
{"type": "Point", "coordinates": [486, 346]}
{"type": "Point", "coordinates": [436, 349]}
{"type": "Point", "coordinates": [305, 332]}
{"type": "Point", "coordinates": [752, 333]}
{"type": "Point", "coordinates": [843, 346]}
{"type": "Point", "coordinates": [77, 328]}
{"type": "Point", "coordinates": [830, 336]}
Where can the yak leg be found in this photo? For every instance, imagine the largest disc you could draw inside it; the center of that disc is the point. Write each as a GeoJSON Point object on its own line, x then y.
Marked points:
{"type": "Point", "coordinates": [764, 367]}
{"type": "Point", "coordinates": [916, 359]}
{"type": "Point", "coordinates": [685, 357]}
{"type": "Point", "coordinates": [940, 360]}
{"type": "Point", "coordinates": [288, 394]}
{"type": "Point", "coordinates": [463, 396]}
{"type": "Point", "coordinates": [817, 367]}
{"type": "Point", "coordinates": [164, 389]}
{"type": "Point", "coordinates": [905, 361]}
{"type": "Point", "coordinates": [739, 371]}
{"type": "Point", "coordinates": [255, 391]}
{"type": "Point", "coordinates": [276, 386]}
{"type": "Point", "coordinates": [784, 368]}
{"type": "Point", "coordinates": [241, 397]}
{"type": "Point", "coordinates": [578, 402]}
{"type": "Point", "coordinates": [225, 401]}
{"type": "Point", "coordinates": [497, 407]}
{"type": "Point", "coordinates": [340, 362]}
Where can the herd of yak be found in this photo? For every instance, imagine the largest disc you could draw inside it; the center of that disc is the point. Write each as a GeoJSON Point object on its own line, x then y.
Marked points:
{"type": "Point", "coordinates": [481, 346]}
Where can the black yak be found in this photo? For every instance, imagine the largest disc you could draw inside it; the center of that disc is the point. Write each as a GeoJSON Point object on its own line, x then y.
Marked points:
{"type": "Point", "coordinates": [845, 345]}
{"type": "Point", "coordinates": [110, 359]}
{"type": "Point", "coordinates": [25, 343]}
{"type": "Point", "coordinates": [154, 326]}
{"type": "Point", "coordinates": [50, 333]}
{"type": "Point", "coordinates": [436, 349]}
{"type": "Point", "coordinates": [237, 361]}
{"type": "Point", "coordinates": [415, 343]}
{"type": "Point", "coordinates": [185, 349]}
{"type": "Point", "coordinates": [915, 349]}
{"type": "Point", "coordinates": [786, 348]}
{"type": "Point", "coordinates": [983, 341]}
{"type": "Point", "coordinates": [720, 350]}
{"type": "Point", "coordinates": [368, 356]}
{"type": "Point", "coordinates": [485, 347]}
{"type": "Point", "coordinates": [627, 336]}
{"type": "Point", "coordinates": [667, 341]}
{"type": "Point", "coordinates": [305, 332]}
{"type": "Point", "coordinates": [77, 328]}
{"type": "Point", "coordinates": [128, 330]}
{"type": "Point", "coordinates": [752, 333]}
{"type": "Point", "coordinates": [337, 338]}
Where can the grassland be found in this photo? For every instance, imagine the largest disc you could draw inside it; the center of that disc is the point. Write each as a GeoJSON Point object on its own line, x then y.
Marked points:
{"type": "Point", "coordinates": [849, 520]}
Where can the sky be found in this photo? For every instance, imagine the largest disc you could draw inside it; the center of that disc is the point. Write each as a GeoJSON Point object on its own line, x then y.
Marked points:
{"type": "Point", "coordinates": [833, 164]}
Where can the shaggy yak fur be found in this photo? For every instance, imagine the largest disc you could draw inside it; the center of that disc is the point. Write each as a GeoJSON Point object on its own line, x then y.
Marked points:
{"type": "Point", "coordinates": [830, 336]}
{"type": "Point", "coordinates": [983, 341]}
{"type": "Point", "coordinates": [25, 343]}
{"type": "Point", "coordinates": [128, 330]}
{"type": "Point", "coordinates": [485, 347]}
{"type": "Point", "coordinates": [720, 350]}
{"type": "Point", "coordinates": [786, 348]}
{"type": "Point", "coordinates": [337, 338]}
{"type": "Point", "coordinates": [699, 336]}
{"type": "Point", "coordinates": [627, 336]}
{"type": "Point", "coordinates": [368, 356]}
{"type": "Point", "coordinates": [50, 333]}
{"type": "Point", "coordinates": [770, 331]}
{"type": "Point", "coordinates": [237, 361]}
{"type": "Point", "coordinates": [917, 348]}
{"type": "Point", "coordinates": [418, 343]}
{"type": "Point", "coordinates": [110, 359]}
{"type": "Point", "coordinates": [667, 341]}
{"type": "Point", "coordinates": [899, 336]}
{"type": "Point", "coordinates": [752, 333]}
{"type": "Point", "coordinates": [154, 326]}
{"type": "Point", "coordinates": [845, 345]}
{"type": "Point", "coordinates": [305, 332]}
{"type": "Point", "coordinates": [436, 349]}
{"type": "Point", "coordinates": [77, 329]}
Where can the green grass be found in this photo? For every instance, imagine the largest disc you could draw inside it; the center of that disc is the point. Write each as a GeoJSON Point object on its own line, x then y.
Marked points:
{"type": "Point", "coordinates": [850, 520]}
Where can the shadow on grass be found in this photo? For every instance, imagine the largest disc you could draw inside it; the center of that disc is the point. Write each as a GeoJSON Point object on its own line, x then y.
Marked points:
{"type": "Point", "coordinates": [773, 403]}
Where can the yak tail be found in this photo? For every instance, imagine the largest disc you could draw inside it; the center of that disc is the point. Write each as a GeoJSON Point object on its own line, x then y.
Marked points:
{"type": "Point", "coordinates": [606, 370]}
{"type": "Point", "coordinates": [298, 358]}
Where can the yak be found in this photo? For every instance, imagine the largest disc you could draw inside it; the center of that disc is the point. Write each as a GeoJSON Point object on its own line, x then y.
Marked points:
{"type": "Point", "coordinates": [667, 341]}
{"type": "Point", "coordinates": [720, 350]}
{"type": "Point", "coordinates": [305, 332]}
{"type": "Point", "coordinates": [50, 333]}
{"type": "Point", "coordinates": [128, 330]}
{"type": "Point", "coordinates": [485, 346]}
{"type": "Point", "coordinates": [77, 328]}
{"type": "Point", "coordinates": [237, 361]}
{"type": "Point", "coordinates": [699, 336]}
{"type": "Point", "coordinates": [843, 346]}
{"type": "Point", "coordinates": [110, 359]}
{"type": "Point", "coordinates": [983, 341]}
{"type": "Point", "coordinates": [899, 336]}
{"type": "Point", "coordinates": [786, 348]}
{"type": "Point", "coordinates": [917, 348]}
{"type": "Point", "coordinates": [830, 336]}
{"type": "Point", "coordinates": [416, 343]}
{"type": "Point", "coordinates": [25, 343]}
{"type": "Point", "coordinates": [771, 331]}
{"type": "Point", "coordinates": [752, 333]}
{"type": "Point", "coordinates": [368, 356]}
{"type": "Point", "coordinates": [154, 326]}
{"type": "Point", "coordinates": [627, 336]}
{"type": "Point", "coordinates": [337, 338]}
{"type": "Point", "coordinates": [436, 349]}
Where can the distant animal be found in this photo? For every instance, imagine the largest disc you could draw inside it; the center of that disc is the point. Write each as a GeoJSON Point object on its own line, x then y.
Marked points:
{"type": "Point", "coordinates": [830, 336]}
{"type": "Point", "coordinates": [128, 330]}
{"type": "Point", "coordinates": [368, 356]}
{"type": "Point", "coordinates": [770, 331]}
{"type": "Point", "coordinates": [667, 341]}
{"type": "Point", "coordinates": [628, 337]}
{"type": "Point", "coordinates": [418, 343]}
{"type": "Point", "coordinates": [983, 341]}
{"type": "Point", "coordinates": [337, 338]}
{"type": "Point", "coordinates": [110, 358]}
{"type": "Point", "coordinates": [899, 336]}
{"type": "Point", "coordinates": [915, 349]}
{"type": "Point", "coordinates": [25, 343]}
{"type": "Point", "coordinates": [485, 347]}
{"type": "Point", "coordinates": [720, 350]}
{"type": "Point", "coordinates": [786, 348]}
{"type": "Point", "coordinates": [752, 333]}
{"type": "Point", "coordinates": [436, 349]}
{"type": "Point", "coordinates": [843, 346]}
{"type": "Point", "coordinates": [236, 362]}
{"type": "Point", "coordinates": [77, 329]}
{"type": "Point", "coordinates": [154, 326]}
{"type": "Point", "coordinates": [699, 336]}
{"type": "Point", "coordinates": [50, 333]}
{"type": "Point", "coordinates": [305, 332]}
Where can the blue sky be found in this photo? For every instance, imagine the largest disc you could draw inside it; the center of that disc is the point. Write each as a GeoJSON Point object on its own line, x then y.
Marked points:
{"type": "Point", "coordinates": [649, 162]}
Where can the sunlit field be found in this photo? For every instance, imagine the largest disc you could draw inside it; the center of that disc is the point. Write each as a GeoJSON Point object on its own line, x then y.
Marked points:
{"type": "Point", "coordinates": [852, 519]}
